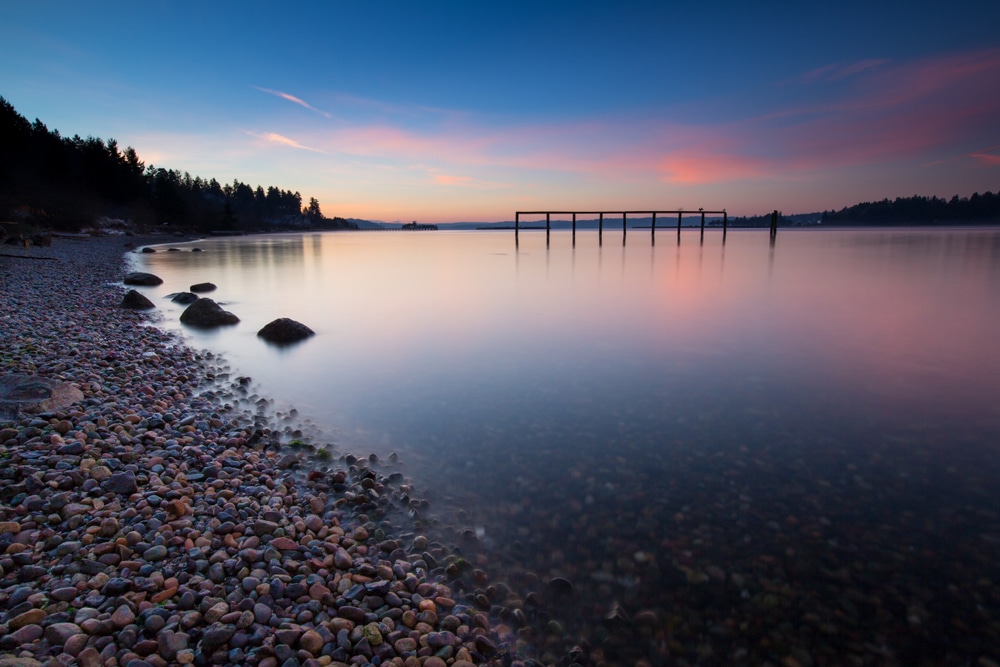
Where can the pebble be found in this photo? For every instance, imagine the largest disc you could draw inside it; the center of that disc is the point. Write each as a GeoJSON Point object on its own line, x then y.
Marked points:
{"type": "Point", "coordinates": [164, 520]}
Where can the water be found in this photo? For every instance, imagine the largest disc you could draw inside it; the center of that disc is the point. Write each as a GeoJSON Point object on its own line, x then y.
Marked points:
{"type": "Point", "coordinates": [735, 452]}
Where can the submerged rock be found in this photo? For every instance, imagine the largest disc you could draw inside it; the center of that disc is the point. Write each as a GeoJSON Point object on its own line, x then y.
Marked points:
{"type": "Point", "coordinates": [207, 313]}
{"type": "Point", "coordinates": [284, 330]}
{"type": "Point", "coordinates": [135, 301]}
{"type": "Point", "coordinates": [203, 287]}
{"type": "Point", "coordinates": [145, 279]}
{"type": "Point", "coordinates": [184, 298]}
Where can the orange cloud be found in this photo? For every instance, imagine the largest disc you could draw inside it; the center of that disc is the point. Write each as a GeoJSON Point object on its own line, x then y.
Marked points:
{"type": "Point", "coordinates": [444, 179]}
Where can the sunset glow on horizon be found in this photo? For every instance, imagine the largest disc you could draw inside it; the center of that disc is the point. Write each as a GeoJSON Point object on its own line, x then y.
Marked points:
{"type": "Point", "coordinates": [453, 112]}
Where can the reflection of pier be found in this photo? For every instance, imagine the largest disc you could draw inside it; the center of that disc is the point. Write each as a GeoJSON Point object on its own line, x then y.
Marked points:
{"type": "Point", "coordinates": [624, 216]}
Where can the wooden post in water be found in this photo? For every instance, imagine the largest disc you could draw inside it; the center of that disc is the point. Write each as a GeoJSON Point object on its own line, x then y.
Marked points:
{"type": "Point", "coordinates": [574, 230]}
{"type": "Point", "coordinates": [702, 225]}
{"type": "Point", "coordinates": [774, 226]}
{"type": "Point", "coordinates": [725, 224]}
{"type": "Point", "coordinates": [624, 226]}
{"type": "Point", "coordinates": [517, 229]}
{"type": "Point", "coordinates": [548, 228]}
{"type": "Point", "coordinates": [600, 230]}
{"type": "Point", "coordinates": [679, 215]}
{"type": "Point", "coordinates": [652, 232]}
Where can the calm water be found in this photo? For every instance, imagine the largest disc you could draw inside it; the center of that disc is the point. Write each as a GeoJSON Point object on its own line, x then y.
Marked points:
{"type": "Point", "coordinates": [714, 442]}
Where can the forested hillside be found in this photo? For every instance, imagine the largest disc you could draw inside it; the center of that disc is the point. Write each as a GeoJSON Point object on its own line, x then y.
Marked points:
{"type": "Point", "coordinates": [68, 183]}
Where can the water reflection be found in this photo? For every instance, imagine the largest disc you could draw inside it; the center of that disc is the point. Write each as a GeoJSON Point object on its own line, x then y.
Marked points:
{"type": "Point", "coordinates": [720, 440]}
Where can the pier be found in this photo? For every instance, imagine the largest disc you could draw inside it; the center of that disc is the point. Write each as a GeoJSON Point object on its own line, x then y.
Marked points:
{"type": "Point", "coordinates": [624, 218]}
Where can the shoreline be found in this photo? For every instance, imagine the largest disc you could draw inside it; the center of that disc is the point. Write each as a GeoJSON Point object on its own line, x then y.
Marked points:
{"type": "Point", "coordinates": [160, 521]}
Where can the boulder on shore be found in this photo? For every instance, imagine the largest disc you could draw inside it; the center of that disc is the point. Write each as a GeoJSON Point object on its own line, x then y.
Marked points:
{"type": "Point", "coordinates": [32, 393]}
{"type": "Point", "coordinates": [145, 279]}
{"type": "Point", "coordinates": [202, 287]}
{"type": "Point", "coordinates": [135, 301]}
{"type": "Point", "coordinates": [284, 330]}
{"type": "Point", "coordinates": [207, 313]}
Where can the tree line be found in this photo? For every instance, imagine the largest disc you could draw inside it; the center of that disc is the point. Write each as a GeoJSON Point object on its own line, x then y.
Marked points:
{"type": "Point", "coordinates": [916, 210]}
{"type": "Point", "coordinates": [69, 182]}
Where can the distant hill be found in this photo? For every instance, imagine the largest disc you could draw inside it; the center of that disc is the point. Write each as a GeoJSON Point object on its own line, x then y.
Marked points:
{"type": "Point", "coordinates": [371, 224]}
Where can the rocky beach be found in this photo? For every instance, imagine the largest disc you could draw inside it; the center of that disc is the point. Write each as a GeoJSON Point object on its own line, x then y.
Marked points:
{"type": "Point", "coordinates": [154, 513]}
{"type": "Point", "coordinates": [156, 509]}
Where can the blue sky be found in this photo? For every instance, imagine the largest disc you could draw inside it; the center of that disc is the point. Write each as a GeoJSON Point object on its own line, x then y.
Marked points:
{"type": "Point", "coordinates": [448, 111]}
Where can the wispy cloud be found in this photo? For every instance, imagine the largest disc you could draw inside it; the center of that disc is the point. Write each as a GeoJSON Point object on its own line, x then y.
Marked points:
{"type": "Point", "coordinates": [988, 156]}
{"type": "Point", "coordinates": [883, 112]}
{"type": "Point", "coordinates": [837, 71]}
{"type": "Point", "coordinates": [275, 138]}
{"type": "Point", "coordinates": [293, 99]}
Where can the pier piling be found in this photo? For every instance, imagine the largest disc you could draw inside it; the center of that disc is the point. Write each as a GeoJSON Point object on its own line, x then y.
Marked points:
{"type": "Point", "coordinates": [625, 214]}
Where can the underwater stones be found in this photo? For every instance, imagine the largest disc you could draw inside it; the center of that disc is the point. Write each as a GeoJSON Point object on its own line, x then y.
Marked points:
{"type": "Point", "coordinates": [143, 279]}
{"type": "Point", "coordinates": [154, 524]}
{"type": "Point", "coordinates": [207, 313]}
{"type": "Point", "coordinates": [135, 301]}
{"type": "Point", "coordinates": [284, 331]}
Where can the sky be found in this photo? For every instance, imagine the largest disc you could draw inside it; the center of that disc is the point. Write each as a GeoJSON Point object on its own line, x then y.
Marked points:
{"type": "Point", "coordinates": [470, 111]}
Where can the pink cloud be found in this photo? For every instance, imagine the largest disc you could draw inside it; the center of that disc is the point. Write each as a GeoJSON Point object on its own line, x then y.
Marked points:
{"type": "Point", "coordinates": [892, 114]}
{"type": "Point", "coordinates": [695, 168]}
{"type": "Point", "coordinates": [986, 158]}
{"type": "Point", "coordinates": [885, 112]}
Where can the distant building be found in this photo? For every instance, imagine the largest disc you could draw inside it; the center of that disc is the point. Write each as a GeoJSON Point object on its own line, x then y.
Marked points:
{"type": "Point", "coordinates": [415, 227]}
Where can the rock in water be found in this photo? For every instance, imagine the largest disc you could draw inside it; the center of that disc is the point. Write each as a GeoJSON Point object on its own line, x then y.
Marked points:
{"type": "Point", "coordinates": [207, 313]}
{"type": "Point", "coordinates": [284, 330]}
{"type": "Point", "coordinates": [145, 279]}
{"type": "Point", "coordinates": [202, 287]}
{"type": "Point", "coordinates": [184, 298]}
{"type": "Point", "coordinates": [135, 301]}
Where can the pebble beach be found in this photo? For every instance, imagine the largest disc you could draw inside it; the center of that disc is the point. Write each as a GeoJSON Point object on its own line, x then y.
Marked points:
{"type": "Point", "coordinates": [162, 520]}
{"type": "Point", "coordinates": [166, 513]}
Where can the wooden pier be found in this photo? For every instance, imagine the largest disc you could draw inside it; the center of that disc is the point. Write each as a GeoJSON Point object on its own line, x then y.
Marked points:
{"type": "Point", "coordinates": [624, 217]}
